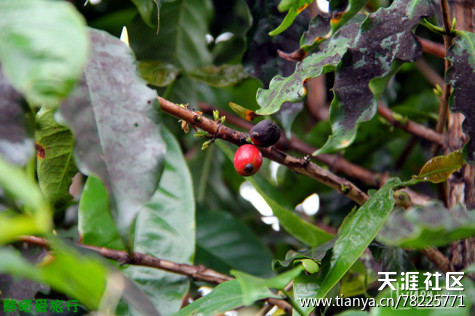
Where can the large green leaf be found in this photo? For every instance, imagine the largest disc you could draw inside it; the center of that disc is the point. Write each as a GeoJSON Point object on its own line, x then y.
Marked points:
{"type": "Point", "coordinates": [16, 143]}
{"type": "Point", "coordinates": [165, 228]}
{"type": "Point", "coordinates": [225, 297]}
{"type": "Point", "coordinates": [55, 163]}
{"type": "Point", "coordinates": [292, 88]}
{"type": "Point", "coordinates": [117, 132]}
{"type": "Point", "coordinates": [219, 76]}
{"type": "Point", "coordinates": [158, 73]}
{"type": "Point", "coordinates": [290, 221]}
{"type": "Point", "coordinates": [65, 272]}
{"type": "Point", "coordinates": [383, 43]}
{"type": "Point", "coordinates": [462, 78]}
{"type": "Point", "coordinates": [355, 234]}
{"type": "Point", "coordinates": [149, 11]}
{"type": "Point", "coordinates": [182, 37]}
{"type": "Point", "coordinates": [95, 223]}
{"type": "Point", "coordinates": [433, 225]}
{"type": "Point", "coordinates": [221, 237]}
{"type": "Point", "coordinates": [43, 45]}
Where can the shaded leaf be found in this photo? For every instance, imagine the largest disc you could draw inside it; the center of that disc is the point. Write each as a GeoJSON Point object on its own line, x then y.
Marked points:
{"type": "Point", "coordinates": [439, 168]}
{"type": "Point", "coordinates": [43, 46]}
{"type": "Point", "coordinates": [384, 41]}
{"type": "Point", "coordinates": [95, 224]}
{"type": "Point", "coordinates": [357, 231]}
{"type": "Point", "coordinates": [16, 143]}
{"type": "Point", "coordinates": [433, 225]}
{"type": "Point", "coordinates": [181, 40]}
{"type": "Point", "coordinates": [55, 166]}
{"type": "Point", "coordinates": [158, 73]}
{"type": "Point", "coordinates": [318, 29]}
{"type": "Point", "coordinates": [149, 11]}
{"type": "Point", "coordinates": [290, 221]}
{"type": "Point", "coordinates": [64, 272]}
{"type": "Point", "coordinates": [462, 78]}
{"type": "Point", "coordinates": [292, 88]}
{"type": "Point", "coordinates": [116, 129]}
{"type": "Point", "coordinates": [255, 288]}
{"type": "Point", "coordinates": [165, 228]}
{"type": "Point", "coordinates": [224, 297]}
{"type": "Point", "coordinates": [315, 254]}
{"type": "Point", "coordinates": [343, 11]}
{"type": "Point", "coordinates": [219, 236]}
{"type": "Point", "coordinates": [219, 76]}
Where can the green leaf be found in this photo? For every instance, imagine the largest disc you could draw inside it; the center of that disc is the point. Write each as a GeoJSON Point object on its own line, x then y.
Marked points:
{"type": "Point", "coordinates": [95, 224]}
{"type": "Point", "coordinates": [295, 7]}
{"type": "Point", "coordinates": [290, 221]}
{"type": "Point", "coordinates": [255, 288]}
{"type": "Point", "coordinates": [340, 18]}
{"type": "Point", "coordinates": [439, 168]}
{"type": "Point", "coordinates": [432, 225]}
{"type": "Point", "coordinates": [225, 297]}
{"type": "Point", "coordinates": [16, 143]}
{"type": "Point", "coordinates": [318, 29]}
{"type": "Point", "coordinates": [182, 37]}
{"type": "Point", "coordinates": [316, 254]}
{"type": "Point", "coordinates": [64, 272]}
{"type": "Point", "coordinates": [165, 228]}
{"type": "Point", "coordinates": [149, 11]}
{"type": "Point", "coordinates": [55, 164]}
{"type": "Point", "coordinates": [292, 88]}
{"type": "Point", "coordinates": [158, 73]}
{"type": "Point", "coordinates": [43, 46]}
{"type": "Point", "coordinates": [116, 129]}
{"type": "Point", "coordinates": [462, 78]}
{"type": "Point", "coordinates": [219, 76]}
{"type": "Point", "coordinates": [16, 183]}
{"type": "Point", "coordinates": [221, 237]}
{"type": "Point", "coordinates": [14, 225]}
{"type": "Point", "coordinates": [357, 231]}
{"type": "Point", "coordinates": [384, 41]}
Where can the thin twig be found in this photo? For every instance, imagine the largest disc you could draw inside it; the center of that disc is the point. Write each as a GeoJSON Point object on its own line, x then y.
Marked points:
{"type": "Point", "coordinates": [430, 74]}
{"type": "Point", "coordinates": [198, 273]}
{"type": "Point", "coordinates": [431, 47]}
{"type": "Point", "coordinates": [299, 165]}
{"type": "Point", "coordinates": [437, 258]}
{"type": "Point", "coordinates": [411, 127]}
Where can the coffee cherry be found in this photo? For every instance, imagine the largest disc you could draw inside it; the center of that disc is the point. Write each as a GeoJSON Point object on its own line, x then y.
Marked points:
{"type": "Point", "coordinates": [266, 133]}
{"type": "Point", "coordinates": [247, 160]}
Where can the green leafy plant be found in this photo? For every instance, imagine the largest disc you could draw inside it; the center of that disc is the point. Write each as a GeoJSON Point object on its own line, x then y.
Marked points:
{"type": "Point", "coordinates": [108, 205]}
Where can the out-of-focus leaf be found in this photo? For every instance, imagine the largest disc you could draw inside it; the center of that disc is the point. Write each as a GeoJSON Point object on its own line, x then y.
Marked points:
{"type": "Point", "coordinates": [64, 271]}
{"type": "Point", "coordinates": [16, 145]}
{"type": "Point", "coordinates": [439, 168]}
{"type": "Point", "coordinates": [221, 237]}
{"type": "Point", "coordinates": [255, 288]}
{"type": "Point", "coordinates": [242, 111]}
{"type": "Point", "coordinates": [14, 225]}
{"type": "Point", "coordinates": [158, 73]}
{"type": "Point", "coordinates": [219, 76]}
{"type": "Point", "coordinates": [165, 228]}
{"type": "Point", "coordinates": [294, 8]}
{"type": "Point", "coordinates": [315, 254]}
{"type": "Point", "coordinates": [117, 132]}
{"type": "Point", "coordinates": [462, 77]}
{"type": "Point", "coordinates": [432, 225]}
{"type": "Point", "coordinates": [182, 37]}
{"type": "Point", "coordinates": [95, 223]}
{"type": "Point", "coordinates": [149, 11]}
{"type": "Point", "coordinates": [383, 43]}
{"type": "Point", "coordinates": [43, 45]}
{"type": "Point", "coordinates": [225, 297]}
{"type": "Point", "coordinates": [20, 187]}
{"type": "Point", "coordinates": [357, 231]}
{"type": "Point", "coordinates": [292, 88]}
{"type": "Point", "coordinates": [340, 17]}
{"type": "Point", "coordinates": [290, 221]}
{"type": "Point", "coordinates": [55, 163]}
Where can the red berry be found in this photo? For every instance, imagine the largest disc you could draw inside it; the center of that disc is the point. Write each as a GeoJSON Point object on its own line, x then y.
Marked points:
{"type": "Point", "coordinates": [247, 160]}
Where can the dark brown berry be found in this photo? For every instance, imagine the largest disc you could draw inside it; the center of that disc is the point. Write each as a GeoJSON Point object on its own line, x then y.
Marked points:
{"type": "Point", "coordinates": [265, 133]}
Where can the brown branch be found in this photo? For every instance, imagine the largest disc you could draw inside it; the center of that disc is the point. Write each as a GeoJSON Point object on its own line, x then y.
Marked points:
{"type": "Point", "coordinates": [437, 258]}
{"type": "Point", "coordinates": [431, 47]}
{"type": "Point", "coordinates": [337, 164]}
{"type": "Point", "coordinates": [299, 165]}
{"type": "Point", "coordinates": [430, 74]}
{"type": "Point", "coordinates": [416, 129]}
{"type": "Point", "coordinates": [198, 273]}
